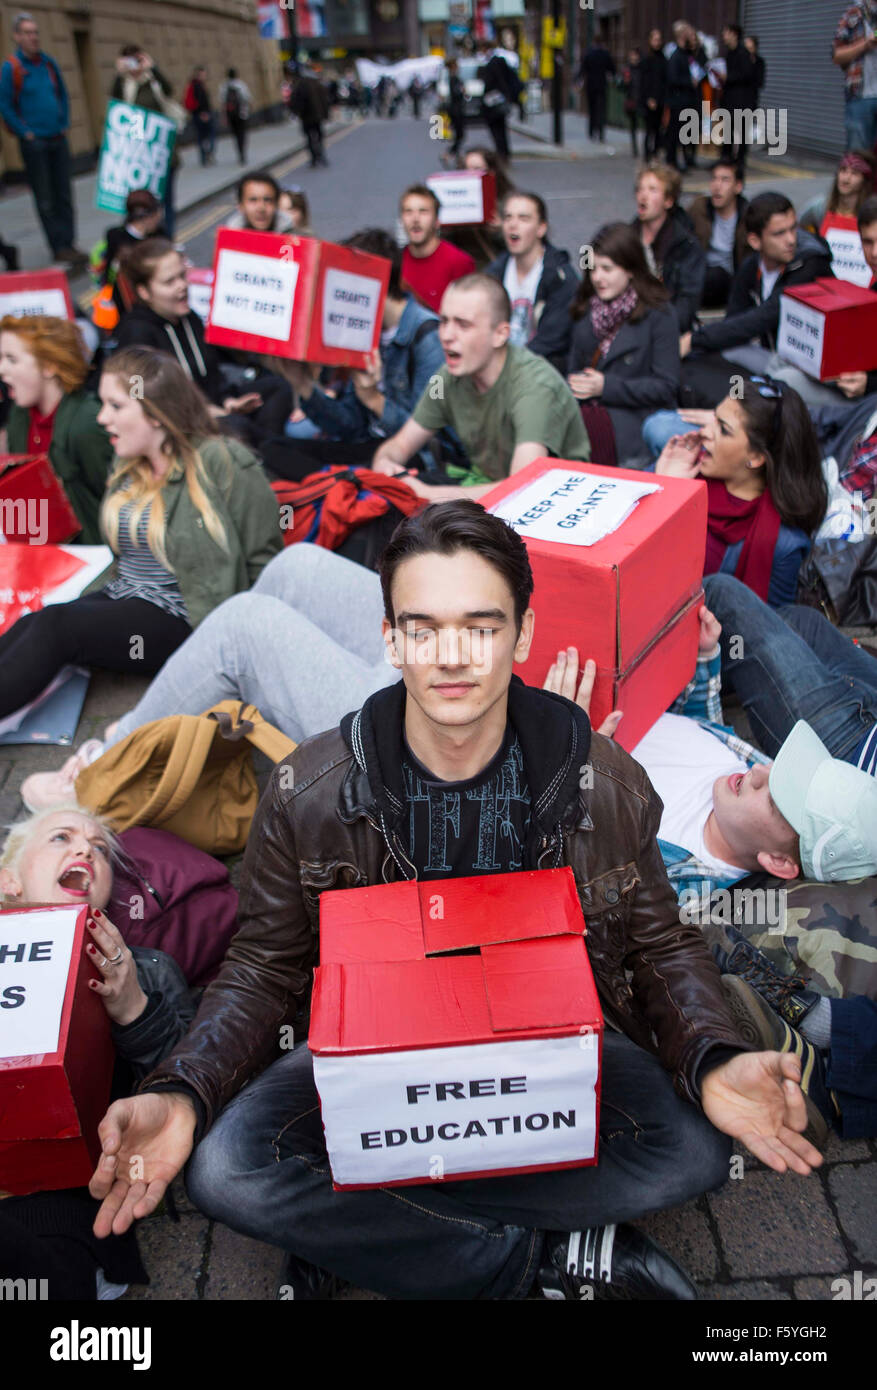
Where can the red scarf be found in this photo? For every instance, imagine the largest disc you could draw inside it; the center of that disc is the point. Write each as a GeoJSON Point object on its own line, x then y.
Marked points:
{"type": "Point", "coordinates": [756, 524]}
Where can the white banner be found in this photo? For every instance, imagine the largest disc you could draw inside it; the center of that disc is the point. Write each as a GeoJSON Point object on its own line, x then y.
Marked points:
{"type": "Point", "coordinates": [431, 1112]}
{"type": "Point", "coordinates": [572, 508]}
{"type": "Point", "coordinates": [847, 257]}
{"type": "Point", "coordinates": [254, 294]}
{"type": "Point", "coordinates": [801, 335]}
{"type": "Point", "coordinates": [350, 306]}
{"type": "Point", "coordinates": [34, 964]}
{"type": "Point", "coordinates": [461, 198]}
{"type": "Point", "coordinates": [26, 302]}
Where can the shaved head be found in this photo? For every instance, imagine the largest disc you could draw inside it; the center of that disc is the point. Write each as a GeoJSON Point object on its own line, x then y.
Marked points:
{"type": "Point", "coordinates": [498, 301]}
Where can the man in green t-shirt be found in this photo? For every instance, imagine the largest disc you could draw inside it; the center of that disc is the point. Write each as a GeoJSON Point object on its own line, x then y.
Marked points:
{"type": "Point", "coordinates": [507, 405]}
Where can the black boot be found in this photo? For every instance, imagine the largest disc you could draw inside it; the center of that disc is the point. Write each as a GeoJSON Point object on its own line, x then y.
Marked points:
{"type": "Point", "coordinates": [10, 255]}
{"type": "Point", "coordinates": [615, 1261]}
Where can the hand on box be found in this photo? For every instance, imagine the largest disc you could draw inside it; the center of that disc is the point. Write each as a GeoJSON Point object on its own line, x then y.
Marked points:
{"type": "Point", "coordinates": [243, 405]}
{"type": "Point", "coordinates": [119, 987]}
{"type": "Point", "coordinates": [852, 384]}
{"type": "Point", "coordinates": [366, 379]}
{"type": "Point", "coordinates": [678, 457]}
{"type": "Point", "coordinates": [298, 374]}
{"type": "Point", "coordinates": [562, 679]}
{"type": "Point", "coordinates": [587, 384]}
{"type": "Point", "coordinates": [145, 1141]}
{"type": "Point", "coordinates": [756, 1097]}
{"type": "Point", "coordinates": [710, 631]}
{"type": "Point", "coordinates": [685, 345]}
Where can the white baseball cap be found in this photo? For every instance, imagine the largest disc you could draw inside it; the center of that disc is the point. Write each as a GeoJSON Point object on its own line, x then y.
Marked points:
{"type": "Point", "coordinates": [831, 804]}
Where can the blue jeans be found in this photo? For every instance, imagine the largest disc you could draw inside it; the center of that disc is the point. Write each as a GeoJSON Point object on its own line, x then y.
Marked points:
{"type": "Point", "coordinates": [792, 664]}
{"type": "Point", "coordinates": [262, 1169]}
{"type": "Point", "coordinates": [47, 165]}
{"type": "Point", "coordinates": [852, 1065]}
{"type": "Point", "coordinates": [659, 428]}
{"type": "Point", "coordinates": [860, 123]}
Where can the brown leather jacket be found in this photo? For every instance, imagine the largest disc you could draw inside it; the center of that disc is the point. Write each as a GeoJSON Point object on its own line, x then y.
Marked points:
{"type": "Point", "coordinates": [331, 818]}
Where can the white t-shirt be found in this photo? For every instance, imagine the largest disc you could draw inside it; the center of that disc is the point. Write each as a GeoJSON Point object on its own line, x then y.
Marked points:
{"type": "Point", "coordinates": [683, 761]}
{"type": "Point", "coordinates": [869, 75]}
{"type": "Point", "coordinates": [768, 280]}
{"type": "Point", "coordinates": [721, 247]}
{"type": "Point", "coordinates": [522, 294]}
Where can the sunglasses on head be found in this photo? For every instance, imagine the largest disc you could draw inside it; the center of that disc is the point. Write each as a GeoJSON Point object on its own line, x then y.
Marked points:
{"type": "Point", "coordinates": [771, 390]}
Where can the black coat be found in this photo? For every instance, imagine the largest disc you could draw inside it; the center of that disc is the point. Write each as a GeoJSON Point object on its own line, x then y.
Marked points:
{"type": "Point", "coordinates": [641, 371]}
{"type": "Point", "coordinates": [597, 66]}
{"type": "Point", "coordinates": [653, 83]}
{"type": "Point", "coordinates": [143, 327]}
{"type": "Point", "coordinates": [681, 91]}
{"type": "Point", "coordinates": [683, 265]}
{"type": "Point", "coordinates": [555, 292]}
{"type": "Point", "coordinates": [739, 87]}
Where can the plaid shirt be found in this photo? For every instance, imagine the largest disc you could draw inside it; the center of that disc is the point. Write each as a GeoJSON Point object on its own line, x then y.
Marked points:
{"type": "Point", "coordinates": [701, 701]}
{"type": "Point", "coordinates": [856, 22]}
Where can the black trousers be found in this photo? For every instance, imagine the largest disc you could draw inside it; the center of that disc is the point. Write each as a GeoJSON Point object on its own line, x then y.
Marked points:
{"type": "Point", "coordinates": [238, 129]}
{"type": "Point", "coordinates": [715, 287]}
{"type": "Point", "coordinates": [271, 416]}
{"type": "Point", "coordinates": [596, 112]}
{"type": "Point", "coordinates": [109, 634]}
{"type": "Point", "coordinates": [458, 125]}
{"type": "Point", "coordinates": [295, 459]}
{"type": "Point", "coordinates": [674, 144]}
{"type": "Point", "coordinates": [652, 120]}
{"type": "Point", "coordinates": [314, 137]}
{"type": "Point", "coordinates": [499, 134]}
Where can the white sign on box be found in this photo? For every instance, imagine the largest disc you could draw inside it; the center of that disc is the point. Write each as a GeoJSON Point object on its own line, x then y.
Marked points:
{"type": "Point", "coordinates": [254, 294]}
{"type": "Point", "coordinates": [27, 302]}
{"type": "Point", "coordinates": [461, 199]}
{"type": "Point", "coordinates": [350, 305]}
{"type": "Point", "coordinates": [571, 508]}
{"type": "Point", "coordinates": [847, 257]}
{"type": "Point", "coordinates": [388, 1116]}
{"type": "Point", "coordinates": [34, 964]}
{"type": "Point", "coordinates": [801, 334]}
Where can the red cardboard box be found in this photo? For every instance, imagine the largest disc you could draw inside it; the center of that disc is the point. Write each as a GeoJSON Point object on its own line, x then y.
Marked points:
{"type": "Point", "coordinates": [629, 601]}
{"type": "Point", "coordinates": [33, 504]}
{"type": "Point", "coordinates": [828, 327]}
{"type": "Point", "coordinates": [25, 292]}
{"type": "Point", "coordinates": [296, 297]}
{"type": "Point", "coordinates": [456, 1029]}
{"type": "Point", "coordinates": [56, 1053]}
{"type": "Point", "coordinates": [467, 196]}
{"type": "Point", "coordinates": [847, 257]}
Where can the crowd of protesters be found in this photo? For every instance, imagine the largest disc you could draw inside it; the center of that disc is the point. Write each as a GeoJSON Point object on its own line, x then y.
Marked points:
{"type": "Point", "coordinates": [491, 355]}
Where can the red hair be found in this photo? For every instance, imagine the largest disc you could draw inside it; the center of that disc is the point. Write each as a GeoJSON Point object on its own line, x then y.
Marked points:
{"type": "Point", "coordinates": [55, 343]}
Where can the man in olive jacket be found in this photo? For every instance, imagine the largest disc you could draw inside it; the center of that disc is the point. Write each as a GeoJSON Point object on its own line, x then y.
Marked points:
{"type": "Point", "coordinates": [458, 769]}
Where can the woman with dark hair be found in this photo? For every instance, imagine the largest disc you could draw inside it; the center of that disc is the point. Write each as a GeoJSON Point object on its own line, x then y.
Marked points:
{"type": "Point", "coordinates": [853, 183]}
{"type": "Point", "coordinates": [624, 358]}
{"type": "Point", "coordinates": [767, 496]}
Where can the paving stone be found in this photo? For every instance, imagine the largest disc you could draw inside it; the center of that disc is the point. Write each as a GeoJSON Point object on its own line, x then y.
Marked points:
{"type": "Point", "coordinates": [772, 1224]}
{"type": "Point", "coordinates": [741, 1289]}
{"type": "Point", "coordinates": [241, 1268]}
{"type": "Point", "coordinates": [855, 1192]}
{"type": "Point", "coordinates": [839, 1150]}
{"type": "Point", "coordinates": [172, 1252]}
{"type": "Point", "coordinates": [685, 1234]}
{"type": "Point", "coordinates": [110, 694]}
{"type": "Point", "coordinates": [816, 1289]}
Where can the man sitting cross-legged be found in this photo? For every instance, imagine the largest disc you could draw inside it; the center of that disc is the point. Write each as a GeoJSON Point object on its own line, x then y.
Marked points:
{"type": "Point", "coordinates": [351, 807]}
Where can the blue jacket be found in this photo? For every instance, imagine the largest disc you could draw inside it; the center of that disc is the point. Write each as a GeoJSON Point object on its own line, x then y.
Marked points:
{"type": "Point", "coordinates": [792, 548]}
{"type": "Point", "coordinates": [408, 367]}
{"type": "Point", "coordinates": [41, 110]}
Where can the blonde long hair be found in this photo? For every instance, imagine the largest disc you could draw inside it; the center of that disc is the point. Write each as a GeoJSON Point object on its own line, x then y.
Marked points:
{"type": "Point", "coordinates": [171, 399]}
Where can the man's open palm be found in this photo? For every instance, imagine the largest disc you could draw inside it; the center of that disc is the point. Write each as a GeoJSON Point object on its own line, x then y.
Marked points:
{"type": "Point", "coordinates": [755, 1097]}
{"type": "Point", "coordinates": [146, 1140]}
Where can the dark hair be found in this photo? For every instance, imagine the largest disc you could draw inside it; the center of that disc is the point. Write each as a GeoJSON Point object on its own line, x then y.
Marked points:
{"type": "Point", "coordinates": [736, 29]}
{"type": "Point", "coordinates": [868, 211]}
{"type": "Point", "coordinates": [377, 242]}
{"type": "Point", "coordinates": [727, 161]}
{"type": "Point", "coordinates": [494, 164]}
{"type": "Point", "coordinates": [232, 74]}
{"type": "Point", "coordinates": [443, 528]}
{"type": "Point", "coordinates": [500, 304]}
{"type": "Point", "coordinates": [534, 198]}
{"type": "Point", "coordinates": [762, 208]}
{"type": "Point", "coordinates": [420, 190]}
{"type": "Point", "coordinates": [142, 201]}
{"type": "Point", "coordinates": [130, 50]}
{"type": "Point", "coordinates": [621, 244]}
{"type": "Point", "coordinates": [781, 429]}
{"type": "Point", "coordinates": [137, 263]}
{"type": "Point", "coordinates": [867, 186]}
{"type": "Point", "coordinates": [261, 176]}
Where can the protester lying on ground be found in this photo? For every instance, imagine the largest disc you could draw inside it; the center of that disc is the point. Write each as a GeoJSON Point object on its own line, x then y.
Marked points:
{"type": "Point", "coordinates": [783, 256]}
{"type": "Point", "coordinates": [379, 398]}
{"type": "Point", "coordinates": [506, 405]}
{"type": "Point", "coordinates": [295, 202]}
{"type": "Point", "coordinates": [143, 214]}
{"type": "Point", "coordinates": [767, 495]}
{"type": "Point", "coordinates": [429, 264]}
{"type": "Point", "coordinates": [258, 208]}
{"type": "Point", "coordinates": [671, 248]}
{"type": "Point", "coordinates": [66, 856]}
{"type": "Point", "coordinates": [43, 365]}
{"type": "Point", "coordinates": [451, 570]}
{"type": "Point", "coordinates": [624, 358]}
{"type": "Point", "coordinates": [853, 183]}
{"type": "Point", "coordinates": [719, 222]}
{"type": "Point", "coordinates": [161, 318]}
{"type": "Point", "coordinates": [190, 516]}
{"type": "Point", "coordinates": [539, 280]}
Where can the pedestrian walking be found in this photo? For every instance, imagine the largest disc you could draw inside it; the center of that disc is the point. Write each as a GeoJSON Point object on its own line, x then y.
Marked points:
{"type": "Point", "coordinates": [197, 103]}
{"type": "Point", "coordinates": [455, 111]}
{"type": "Point", "coordinates": [501, 88]}
{"type": "Point", "coordinates": [310, 102]}
{"type": "Point", "coordinates": [631, 85]}
{"type": "Point", "coordinates": [236, 101]}
{"type": "Point", "coordinates": [597, 66]}
{"type": "Point", "coordinates": [35, 106]}
{"type": "Point", "coordinates": [653, 92]}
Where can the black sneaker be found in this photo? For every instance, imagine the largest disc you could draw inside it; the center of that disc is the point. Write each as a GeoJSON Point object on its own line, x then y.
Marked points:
{"type": "Point", "coordinates": [304, 1282]}
{"type": "Point", "coordinates": [615, 1262]}
{"type": "Point", "coordinates": [787, 995]}
{"type": "Point", "coordinates": [764, 1029]}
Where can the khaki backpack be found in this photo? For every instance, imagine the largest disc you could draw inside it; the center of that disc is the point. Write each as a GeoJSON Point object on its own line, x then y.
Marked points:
{"type": "Point", "coordinates": [191, 774]}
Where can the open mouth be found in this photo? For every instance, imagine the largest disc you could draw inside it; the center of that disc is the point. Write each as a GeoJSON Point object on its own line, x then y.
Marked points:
{"type": "Point", "coordinates": [736, 782]}
{"type": "Point", "coordinates": [452, 358]}
{"type": "Point", "coordinates": [77, 880]}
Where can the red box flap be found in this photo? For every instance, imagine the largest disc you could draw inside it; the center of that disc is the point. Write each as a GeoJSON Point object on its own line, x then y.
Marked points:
{"type": "Point", "coordinates": [539, 984]}
{"type": "Point", "coordinates": [478, 911]}
{"type": "Point", "coordinates": [371, 924]}
{"type": "Point", "coordinates": [826, 294]}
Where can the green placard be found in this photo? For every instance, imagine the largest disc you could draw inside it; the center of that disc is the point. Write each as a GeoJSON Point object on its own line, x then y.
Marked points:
{"type": "Point", "coordinates": [136, 153]}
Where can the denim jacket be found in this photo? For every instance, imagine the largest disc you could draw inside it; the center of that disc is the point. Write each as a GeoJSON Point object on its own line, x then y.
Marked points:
{"type": "Point", "coordinates": [345, 417]}
{"type": "Point", "coordinates": [701, 701]}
